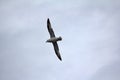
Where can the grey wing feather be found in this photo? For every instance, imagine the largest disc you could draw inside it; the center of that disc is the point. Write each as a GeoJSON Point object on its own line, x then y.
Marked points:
{"type": "Point", "coordinates": [57, 50]}
{"type": "Point", "coordinates": [50, 30]}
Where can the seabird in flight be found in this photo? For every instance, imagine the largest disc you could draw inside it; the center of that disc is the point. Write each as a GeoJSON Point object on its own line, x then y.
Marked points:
{"type": "Point", "coordinates": [53, 39]}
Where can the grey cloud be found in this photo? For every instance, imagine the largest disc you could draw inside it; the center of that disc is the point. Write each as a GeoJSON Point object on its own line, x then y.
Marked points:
{"type": "Point", "coordinates": [108, 72]}
{"type": "Point", "coordinates": [90, 31]}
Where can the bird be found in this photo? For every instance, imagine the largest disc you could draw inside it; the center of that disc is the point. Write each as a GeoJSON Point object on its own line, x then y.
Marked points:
{"type": "Point", "coordinates": [53, 39]}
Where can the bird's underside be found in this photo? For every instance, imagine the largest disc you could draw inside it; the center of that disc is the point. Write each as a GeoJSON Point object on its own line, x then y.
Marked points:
{"type": "Point", "coordinates": [53, 39]}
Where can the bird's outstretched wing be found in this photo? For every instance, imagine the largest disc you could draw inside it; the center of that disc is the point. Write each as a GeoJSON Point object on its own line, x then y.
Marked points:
{"type": "Point", "coordinates": [50, 30]}
{"type": "Point", "coordinates": [55, 45]}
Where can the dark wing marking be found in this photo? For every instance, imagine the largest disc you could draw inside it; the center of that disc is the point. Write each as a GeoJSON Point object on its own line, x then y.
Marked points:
{"type": "Point", "coordinates": [50, 30]}
{"type": "Point", "coordinates": [55, 45]}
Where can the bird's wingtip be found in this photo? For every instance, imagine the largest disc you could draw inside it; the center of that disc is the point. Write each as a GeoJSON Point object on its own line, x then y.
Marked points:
{"type": "Point", "coordinates": [60, 58]}
{"type": "Point", "coordinates": [48, 21]}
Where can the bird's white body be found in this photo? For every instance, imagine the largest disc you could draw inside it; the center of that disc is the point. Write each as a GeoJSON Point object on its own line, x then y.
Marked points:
{"type": "Point", "coordinates": [54, 39]}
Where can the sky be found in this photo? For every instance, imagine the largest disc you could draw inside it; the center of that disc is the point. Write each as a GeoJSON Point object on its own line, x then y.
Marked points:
{"type": "Point", "coordinates": [90, 47]}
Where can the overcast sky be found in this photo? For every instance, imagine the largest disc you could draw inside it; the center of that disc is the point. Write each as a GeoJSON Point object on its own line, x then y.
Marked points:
{"type": "Point", "coordinates": [90, 48]}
